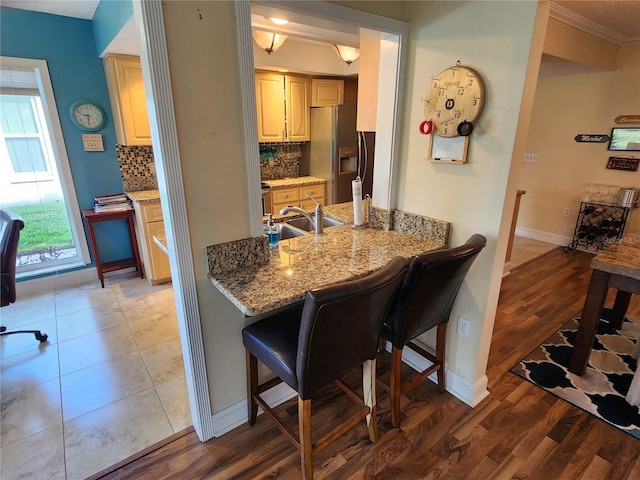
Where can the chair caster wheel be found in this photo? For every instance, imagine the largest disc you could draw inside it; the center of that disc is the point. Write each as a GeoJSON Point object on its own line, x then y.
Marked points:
{"type": "Point", "coordinates": [42, 337]}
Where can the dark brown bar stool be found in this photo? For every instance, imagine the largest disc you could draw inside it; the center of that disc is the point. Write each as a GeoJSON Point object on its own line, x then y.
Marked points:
{"type": "Point", "coordinates": [315, 343]}
{"type": "Point", "coordinates": [424, 301]}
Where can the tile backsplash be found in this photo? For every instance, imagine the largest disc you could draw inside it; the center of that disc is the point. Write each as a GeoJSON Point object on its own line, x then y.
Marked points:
{"type": "Point", "coordinates": [279, 161]}
{"type": "Point", "coordinates": [137, 167]}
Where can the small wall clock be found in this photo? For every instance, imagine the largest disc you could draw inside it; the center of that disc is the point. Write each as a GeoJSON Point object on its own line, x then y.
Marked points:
{"type": "Point", "coordinates": [87, 115]}
{"type": "Point", "coordinates": [454, 101]}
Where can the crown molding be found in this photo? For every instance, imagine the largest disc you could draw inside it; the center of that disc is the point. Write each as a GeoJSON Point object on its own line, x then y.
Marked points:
{"type": "Point", "coordinates": [573, 19]}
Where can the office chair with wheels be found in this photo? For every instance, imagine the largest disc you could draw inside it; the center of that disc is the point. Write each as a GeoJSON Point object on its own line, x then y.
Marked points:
{"type": "Point", "coordinates": [10, 226]}
{"type": "Point", "coordinates": [313, 344]}
{"type": "Point", "coordinates": [424, 301]}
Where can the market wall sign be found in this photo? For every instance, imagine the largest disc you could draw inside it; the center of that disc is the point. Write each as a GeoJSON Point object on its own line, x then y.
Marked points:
{"type": "Point", "coordinates": [628, 119]}
{"type": "Point", "coordinates": [592, 138]}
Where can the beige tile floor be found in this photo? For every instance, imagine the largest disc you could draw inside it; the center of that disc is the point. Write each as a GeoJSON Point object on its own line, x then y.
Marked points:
{"type": "Point", "coordinates": [108, 383]}
{"type": "Point", "coordinates": [526, 249]}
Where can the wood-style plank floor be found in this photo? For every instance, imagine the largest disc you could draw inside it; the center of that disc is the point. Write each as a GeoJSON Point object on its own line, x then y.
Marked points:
{"type": "Point", "coordinates": [519, 431]}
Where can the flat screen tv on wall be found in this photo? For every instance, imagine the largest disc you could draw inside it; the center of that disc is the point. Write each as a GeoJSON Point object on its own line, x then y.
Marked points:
{"type": "Point", "coordinates": [625, 139]}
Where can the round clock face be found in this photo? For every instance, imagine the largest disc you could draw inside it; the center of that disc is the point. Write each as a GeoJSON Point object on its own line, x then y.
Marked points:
{"type": "Point", "coordinates": [87, 115]}
{"type": "Point", "coordinates": [456, 95]}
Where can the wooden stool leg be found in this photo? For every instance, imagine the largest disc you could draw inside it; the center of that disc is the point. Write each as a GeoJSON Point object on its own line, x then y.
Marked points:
{"type": "Point", "coordinates": [394, 385]}
{"type": "Point", "coordinates": [369, 390]}
{"type": "Point", "coordinates": [441, 342]}
{"type": "Point", "coordinates": [304, 428]}
{"type": "Point", "coordinates": [252, 387]}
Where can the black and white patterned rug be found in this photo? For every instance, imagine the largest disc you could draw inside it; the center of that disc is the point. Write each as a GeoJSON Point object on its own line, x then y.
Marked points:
{"type": "Point", "coordinates": [602, 389]}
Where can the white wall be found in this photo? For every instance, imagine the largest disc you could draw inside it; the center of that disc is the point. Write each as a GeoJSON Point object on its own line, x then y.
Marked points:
{"type": "Point", "coordinates": [206, 88]}
{"type": "Point", "coordinates": [300, 56]}
{"type": "Point", "coordinates": [493, 38]}
{"type": "Point", "coordinates": [567, 104]}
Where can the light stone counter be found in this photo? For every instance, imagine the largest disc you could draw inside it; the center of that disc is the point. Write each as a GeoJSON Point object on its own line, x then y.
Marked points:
{"type": "Point", "coordinates": [299, 264]}
{"type": "Point", "coordinates": [622, 258]}
{"type": "Point", "coordinates": [294, 182]}
{"type": "Point", "coordinates": [142, 196]}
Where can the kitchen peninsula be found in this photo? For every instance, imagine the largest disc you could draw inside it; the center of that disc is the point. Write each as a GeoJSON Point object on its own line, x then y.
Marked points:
{"type": "Point", "coordinates": [258, 280]}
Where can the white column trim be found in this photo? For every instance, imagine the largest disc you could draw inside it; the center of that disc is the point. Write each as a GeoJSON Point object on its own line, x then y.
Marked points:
{"type": "Point", "coordinates": [249, 119]}
{"type": "Point", "coordinates": [157, 81]}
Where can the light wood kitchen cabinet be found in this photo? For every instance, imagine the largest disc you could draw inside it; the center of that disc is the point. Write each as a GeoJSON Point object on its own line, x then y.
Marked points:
{"type": "Point", "coordinates": [297, 197]}
{"type": "Point", "coordinates": [128, 101]}
{"type": "Point", "coordinates": [149, 223]}
{"type": "Point", "coordinates": [326, 92]}
{"type": "Point", "coordinates": [351, 91]}
{"type": "Point", "coordinates": [282, 103]}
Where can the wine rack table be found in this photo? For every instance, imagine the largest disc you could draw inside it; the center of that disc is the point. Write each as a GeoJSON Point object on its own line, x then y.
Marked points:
{"type": "Point", "coordinates": [598, 225]}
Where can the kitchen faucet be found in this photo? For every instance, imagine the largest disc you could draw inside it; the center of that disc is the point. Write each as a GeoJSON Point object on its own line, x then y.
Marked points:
{"type": "Point", "coordinates": [315, 221]}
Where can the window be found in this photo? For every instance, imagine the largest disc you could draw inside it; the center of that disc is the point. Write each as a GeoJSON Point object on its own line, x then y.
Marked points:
{"type": "Point", "coordinates": [23, 140]}
{"type": "Point", "coordinates": [35, 180]}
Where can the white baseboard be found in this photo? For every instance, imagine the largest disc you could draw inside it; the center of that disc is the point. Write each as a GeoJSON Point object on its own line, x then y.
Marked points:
{"type": "Point", "coordinates": [472, 394]}
{"type": "Point", "coordinates": [63, 280]}
{"type": "Point", "coordinates": [543, 236]}
{"type": "Point", "coordinates": [54, 282]}
{"type": "Point", "coordinates": [231, 417]}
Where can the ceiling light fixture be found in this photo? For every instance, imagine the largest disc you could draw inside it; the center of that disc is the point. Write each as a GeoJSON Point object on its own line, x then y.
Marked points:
{"type": "Point", "coordinates": [268, 41]}
{"type": "Point", "coordinates": [347, 54]}
{"type": "Point", "coordinates": [277, 21]}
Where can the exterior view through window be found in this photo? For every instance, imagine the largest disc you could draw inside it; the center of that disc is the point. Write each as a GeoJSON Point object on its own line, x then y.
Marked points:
{"type": "Point", "coordinates": [34, 171]}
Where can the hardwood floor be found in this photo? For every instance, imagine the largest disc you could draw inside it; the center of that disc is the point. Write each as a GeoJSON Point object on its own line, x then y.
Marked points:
{"type": "Point", "coordinates": [519, 431]}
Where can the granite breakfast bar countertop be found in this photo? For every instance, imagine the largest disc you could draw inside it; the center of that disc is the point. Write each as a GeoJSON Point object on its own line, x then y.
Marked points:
{"type": "Point", "coordinates": [341, 253]}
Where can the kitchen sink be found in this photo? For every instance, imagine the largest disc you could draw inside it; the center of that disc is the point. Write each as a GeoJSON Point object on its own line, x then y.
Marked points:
{"type": "Point", "coordinates": [304, 224]}
{"type": "Point", "coordinates": [286, 231]}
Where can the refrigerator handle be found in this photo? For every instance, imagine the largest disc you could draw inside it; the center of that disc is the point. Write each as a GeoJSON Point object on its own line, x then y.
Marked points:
{"type": "Point", "coordinates": [359, 134]}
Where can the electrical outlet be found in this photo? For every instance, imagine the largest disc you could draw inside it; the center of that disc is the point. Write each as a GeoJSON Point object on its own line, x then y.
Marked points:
{"type": "Point", "coordinates": [463, 327]}
{"type": "Point", "coordinates": [530, 157]}
{"type": "Point", "coordinates": [567, 212]}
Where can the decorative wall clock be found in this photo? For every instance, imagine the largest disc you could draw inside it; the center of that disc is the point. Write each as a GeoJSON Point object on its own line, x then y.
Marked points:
{"type": "Point", "coordinates": [87, 115]}
{"type": "Point", "coordinates": [454, 101]}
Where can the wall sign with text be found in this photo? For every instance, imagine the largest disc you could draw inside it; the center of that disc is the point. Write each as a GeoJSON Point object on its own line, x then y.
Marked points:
{"type": "Point", "coordinates": [627, 119]}
{"type": "Point", "coordinates": [592, 138]}
{"type": "Point", "coordinates": [623, 163]}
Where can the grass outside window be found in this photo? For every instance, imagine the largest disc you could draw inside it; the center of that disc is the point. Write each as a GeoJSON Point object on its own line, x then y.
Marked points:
{"type": "Point", "coordinates": [46, 228]}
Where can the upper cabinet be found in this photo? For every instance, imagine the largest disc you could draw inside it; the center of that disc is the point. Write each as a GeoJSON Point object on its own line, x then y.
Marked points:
{"type": "Point", "coordinates": [128, 101]}
{"type": "Point", "coordinates": [282, 107]}
{"type": "Point", "coordinates": [326, 92]}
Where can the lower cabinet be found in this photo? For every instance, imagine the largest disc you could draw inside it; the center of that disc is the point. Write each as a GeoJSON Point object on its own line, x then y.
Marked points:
{"type": "Point", "coordinates": [296, 197]}
{"type": "Point", "coordinates": [149, 223]}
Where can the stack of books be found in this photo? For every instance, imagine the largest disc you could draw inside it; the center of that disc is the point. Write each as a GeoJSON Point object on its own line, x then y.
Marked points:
{"type": "Point", "coordinates": [116, 202]}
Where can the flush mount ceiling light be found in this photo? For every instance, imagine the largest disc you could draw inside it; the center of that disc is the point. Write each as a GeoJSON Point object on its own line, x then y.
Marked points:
{"type": "Point", "coordinates": [268, 41]}
{"type": "Point", "coordinates": [347, 54]}
{"type": "Point", "coordinates": [277, 21]}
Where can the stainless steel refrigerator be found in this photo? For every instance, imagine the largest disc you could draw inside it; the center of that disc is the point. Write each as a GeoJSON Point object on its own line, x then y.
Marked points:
{"type": "Point", "coordinates": [336, 154]}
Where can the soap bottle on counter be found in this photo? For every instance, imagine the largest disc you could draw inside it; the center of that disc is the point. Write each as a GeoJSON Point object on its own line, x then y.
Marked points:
{"type": "Point", "coordinates": [272, 232]}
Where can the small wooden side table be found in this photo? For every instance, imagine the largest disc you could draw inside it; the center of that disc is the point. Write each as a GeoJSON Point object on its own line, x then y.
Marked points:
{"type": "Point", "coordinates": [92, 217]}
